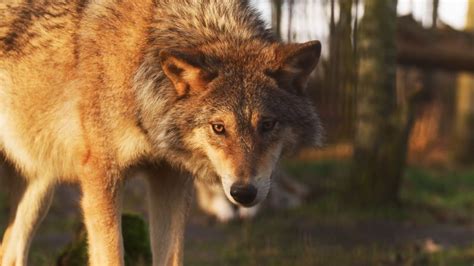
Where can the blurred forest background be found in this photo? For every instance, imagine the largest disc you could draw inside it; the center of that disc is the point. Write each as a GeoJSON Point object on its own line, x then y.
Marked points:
{"type": "Point", "coordinates": [394, 182]}
{"type": "Point", "coordinates": [391, 87]}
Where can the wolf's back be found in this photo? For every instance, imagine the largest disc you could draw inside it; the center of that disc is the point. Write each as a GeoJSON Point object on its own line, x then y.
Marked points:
{"type": "Point", "coordinates": [191, 23]}
{"type": "Point", "coordinates": [29, 25]}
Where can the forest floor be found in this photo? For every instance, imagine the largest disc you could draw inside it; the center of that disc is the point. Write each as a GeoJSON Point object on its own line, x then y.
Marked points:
{"type": "Point", "coordinates": [434, 224]}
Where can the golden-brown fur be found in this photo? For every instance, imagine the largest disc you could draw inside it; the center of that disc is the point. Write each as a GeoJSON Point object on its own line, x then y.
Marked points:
{"type": "Point", "coordinates": [91, 89]}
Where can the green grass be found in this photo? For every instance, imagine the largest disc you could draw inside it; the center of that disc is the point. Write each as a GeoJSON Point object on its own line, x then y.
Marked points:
{"type": "Point", "coordinates": [303, 236]}
{"type": "Point", "coordinates": [448, 195]}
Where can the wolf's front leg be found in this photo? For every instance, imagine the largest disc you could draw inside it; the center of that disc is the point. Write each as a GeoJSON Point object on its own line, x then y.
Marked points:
{"type": "Point", "coordinates": [169, 197]}
{"type": "Point", "coordinates": [101, 199]}
{"type": "Point", "coordinates": [31, 201]}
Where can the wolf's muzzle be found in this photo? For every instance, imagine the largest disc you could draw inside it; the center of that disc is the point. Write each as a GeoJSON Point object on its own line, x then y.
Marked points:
{"type": "Point", "coordinates": [244, 194]}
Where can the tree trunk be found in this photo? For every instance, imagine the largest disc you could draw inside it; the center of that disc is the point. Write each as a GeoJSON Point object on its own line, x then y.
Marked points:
{"type": "Point", "coordinates": [340, 73]}
{"type": "Point", "coordinates": [346, 71]}
{"type": "Point", "coordinates": [289, 33]}
{"type": "Point", "coordinates": [276, 16]}
{"type": "Point", "coordinates": [381, 131]}
{"type": "Point", "coordinates": [464, 121]}
{"type": "Point", "coordinates": [434, 14]}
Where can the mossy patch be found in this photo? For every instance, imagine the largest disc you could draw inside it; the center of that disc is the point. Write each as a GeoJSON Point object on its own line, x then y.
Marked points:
{"type": "Point", "coordinates": [135, 238]}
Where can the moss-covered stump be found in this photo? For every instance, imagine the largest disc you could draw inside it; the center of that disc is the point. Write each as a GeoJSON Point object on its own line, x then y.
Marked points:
{"type": "Point", "coordinates": [135, 238]}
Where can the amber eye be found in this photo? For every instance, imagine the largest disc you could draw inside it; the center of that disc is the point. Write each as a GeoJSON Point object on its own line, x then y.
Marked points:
{"type": "Point", "coordinates": [268, 125]}
{"type": "Point", "coordinates": [218, 128]}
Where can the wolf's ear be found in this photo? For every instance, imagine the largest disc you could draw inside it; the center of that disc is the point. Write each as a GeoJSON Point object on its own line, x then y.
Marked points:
{"type": "Point", "coordinates": [186, 70]}
{"type": "Point", "coordinates": [297, 63]}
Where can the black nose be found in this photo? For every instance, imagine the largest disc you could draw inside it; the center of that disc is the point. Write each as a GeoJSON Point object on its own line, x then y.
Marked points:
{"type": "Point", "coordinates": [243, 193]}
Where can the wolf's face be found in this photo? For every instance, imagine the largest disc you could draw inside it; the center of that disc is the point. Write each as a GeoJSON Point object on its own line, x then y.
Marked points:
{"type": "Point", "coordinates": [243, 141]}
{"type": "Point", "coordinates": [240, 111]}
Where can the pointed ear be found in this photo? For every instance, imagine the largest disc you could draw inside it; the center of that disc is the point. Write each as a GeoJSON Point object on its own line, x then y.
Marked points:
{"type": "Point", "coordinates": [297, 63]}
{"type": "Point", "coordinates": [186, 70]}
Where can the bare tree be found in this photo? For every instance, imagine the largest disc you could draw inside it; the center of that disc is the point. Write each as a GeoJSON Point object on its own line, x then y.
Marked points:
{"type": "Point", "coordinates": [464, 121]}
{"type": "Point", "coordinates": [380, 132]}
{"type": "Point", "coordinates": [276, 16]}
{"type": "Point", "coordinates": [434, 13]}
{"type": "Point", "coordinates": [291, 4]}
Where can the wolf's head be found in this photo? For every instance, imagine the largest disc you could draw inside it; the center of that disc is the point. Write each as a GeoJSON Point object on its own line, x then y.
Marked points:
{"type": "Point", "coordinates": [236, 110]}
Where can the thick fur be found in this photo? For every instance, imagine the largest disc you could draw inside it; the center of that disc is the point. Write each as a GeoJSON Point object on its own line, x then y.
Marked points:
{"type": "Point", "coordinates": [92, 89]}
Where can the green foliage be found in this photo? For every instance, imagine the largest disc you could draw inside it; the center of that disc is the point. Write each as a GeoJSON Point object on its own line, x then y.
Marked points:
{"type": "Point", "coordinates": [75, 254]}
{"type": "Point", "coordinates": [136, 240]}
{"type": "Point", "coordinates": [136, 245]}
{"type": "Point", "coordinates": [447, 195]}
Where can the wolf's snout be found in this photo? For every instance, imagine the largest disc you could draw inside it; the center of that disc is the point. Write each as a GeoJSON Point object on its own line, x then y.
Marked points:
{"type": "Point", "coordinates": [244, 194]}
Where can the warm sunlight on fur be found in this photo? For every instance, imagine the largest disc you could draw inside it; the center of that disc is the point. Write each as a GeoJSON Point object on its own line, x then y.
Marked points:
{"type": "Point", "coordinates": [90, 91]}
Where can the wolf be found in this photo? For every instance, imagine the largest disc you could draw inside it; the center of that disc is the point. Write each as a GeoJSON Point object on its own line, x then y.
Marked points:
{"type": "Point", "coordinates": [92, 91]}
